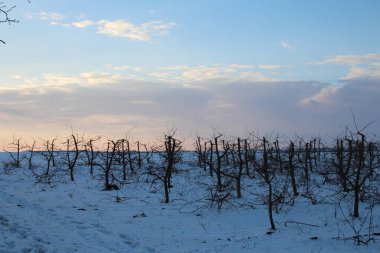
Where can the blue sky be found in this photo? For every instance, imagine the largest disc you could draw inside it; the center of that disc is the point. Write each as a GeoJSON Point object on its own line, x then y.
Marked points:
{"type": "Point", "coordinates": [106, 67]}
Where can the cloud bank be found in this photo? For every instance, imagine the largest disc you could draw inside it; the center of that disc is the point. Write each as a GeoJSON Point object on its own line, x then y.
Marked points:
{"type": "Point", "coordinates": [112, 104]}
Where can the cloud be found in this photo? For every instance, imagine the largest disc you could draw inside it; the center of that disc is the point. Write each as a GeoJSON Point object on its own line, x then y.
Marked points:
{"type": "Point", "coordinates": [119, 68]}
{"type": "Point", "coordinates": [121, 28]}
{"type": "Point", "coordinates": [361, 95]}
{"type": "Point", "coordinates": [270, 66]}
{"type": "Point", "coordinates": [204, 72]}
{"type": "Point", "coordinates": [126, 29]}
{"type": "Point", "coordinates": [285, 44]}
{"type": "Point", "coordinates": [226, 72]}
{"type": "Point", "coordinates": [358, 72]}
{"type": "Point", "coordinates": [351, 60]}
{"type": "Point", "coordinates": [110, 104]}
{"type": "Point", "coordinates": [47, 16]}
{"type": "Point", "coordinates": [183, 75]}
{"type": "Point", "coordinates": [360, 66]}
{"type": "Point", "coordinates": [175, 67]}
{"type": "Point", "coordinates": [83, 23]}
{"type": "Point", "coordinates": [241, 66]}
{"type": "Point", "coordinates": [193, 74]}
{"type": "Point", "coordinates": [61, 82]}
{"type": "Point", "coordinates": [323, 96]}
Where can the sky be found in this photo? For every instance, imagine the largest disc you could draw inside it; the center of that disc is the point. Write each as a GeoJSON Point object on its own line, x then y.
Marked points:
{"type": "Point", "coordinates": [143, 67]}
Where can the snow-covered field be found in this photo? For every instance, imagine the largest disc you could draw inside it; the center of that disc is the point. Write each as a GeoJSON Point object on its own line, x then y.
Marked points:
{"type": "Point", "coordinates": [77, 216]}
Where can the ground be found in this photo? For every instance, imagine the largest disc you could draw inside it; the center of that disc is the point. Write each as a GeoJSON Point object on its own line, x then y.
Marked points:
{"type": "Point", "coordinates": [77, 216]}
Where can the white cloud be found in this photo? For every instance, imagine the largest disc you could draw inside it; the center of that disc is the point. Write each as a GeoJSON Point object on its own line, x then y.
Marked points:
{"type": "Point", "coordinates": [204, 72]}
{"type": "Point", "coordinates": [100, 78]}
{"type": "Point", "coordinates": [126, 29]}
{"type": "Point", "coordinates": [230, 72]}
{"type": "Point", "coordinates": [121, 28]}
{"type": "Point", "coordinates": [351, 59]}
{"type": "Point", "coordinates": [156, 27]}
{"type": "Point", "coordinates": [360, 66]}
{"type": "Point", "coordinates": [323, 96]}
{"type": "Point", "coordinates": [60, 24]}
{"type": "Point", "coordinates": [355, 72]}
{"type": "Point", "coordinates": [182, 74]}
{"type": "Point", "coordinates": [83, 23]}
{"type": "Point", "coordinates": [270, 66]}
{"type": "Point", "coordinates": [121, 68]}
{"type": "Point", "coordinates": [47, 16]}
{"type": "Point", "coordinates": [59, 80]}
{"type": "Point", "coordinates": [175, 67]}
{"type": "Point", "coordinates": [192, 74]}
{"type": "Point", "coordinates": [241, 66]}
{"type": "Point", "coordinates": [64, 83]}
{"type": "Point", "coordinates": [285, 44]}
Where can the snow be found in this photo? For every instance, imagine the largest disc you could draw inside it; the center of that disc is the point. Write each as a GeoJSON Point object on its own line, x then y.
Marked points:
{"type": "Point", "coordinates": [77, 216]}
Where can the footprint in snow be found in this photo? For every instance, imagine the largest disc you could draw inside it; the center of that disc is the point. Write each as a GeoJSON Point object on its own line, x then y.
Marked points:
{"type": "Point", "coordinates": [105, 231]}
{"type": "Point", "coordinates": [132, 241]}
{"type": "Point", "coordinates": [149, 249]}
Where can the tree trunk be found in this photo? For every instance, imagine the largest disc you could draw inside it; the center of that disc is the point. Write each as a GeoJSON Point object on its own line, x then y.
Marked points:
{"type": "Point", "coordinates": [240, 170]}
{"type": "Point", "coordinates": [270, 207]}
{"type": "Point", "coordinates": [291, 169]}
{"type": "Point", "coordinates": [218, 166]}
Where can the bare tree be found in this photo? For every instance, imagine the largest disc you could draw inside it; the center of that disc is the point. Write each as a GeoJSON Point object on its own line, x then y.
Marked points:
{"type": "Point", "coordinates": [5, 17]}
{"type": "Point", "coordinates": [72, 154]}
{"type": "Point", "coordinates": [218, 168]}
{"type": "Point", "coordinates": [361, 170]}
{"type": "Point", "coordinates": [14, 149]}
{"type": "Point", "coordinates": [106, 163]}
{"type": "Point", "coordinates": [49, 154]}
{"type": "Point", "coordinates": [91, 154]}
{"type": "Point", "coordinates": [267, 173]}
{"type": "Point", "coordinates": [360, 164]}
{"type": "Point", "coordinates": [31, 154]}
{"type": "Point", "coordinates": [171, 154]}
{"type": "Point", "coordinates": [139, 159]}
{"type": "Point", "coordinates": [199, 151]}
{"type": "Point", "coordinates": [291, 168]}
{"type": "Point", "coordinates": [211, 158]}
{"type": "Point", "coordinates": [342, 161]}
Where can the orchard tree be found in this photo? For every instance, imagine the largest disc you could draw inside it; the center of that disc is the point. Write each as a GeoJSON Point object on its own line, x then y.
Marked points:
{"type": "Point", "coordinates": [5, 15]}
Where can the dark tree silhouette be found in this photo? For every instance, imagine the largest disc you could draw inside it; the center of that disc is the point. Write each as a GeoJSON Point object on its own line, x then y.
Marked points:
{"type": "Point", "coordinates": [5, 17]}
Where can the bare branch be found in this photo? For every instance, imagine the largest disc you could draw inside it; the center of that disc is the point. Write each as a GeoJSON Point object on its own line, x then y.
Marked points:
{"type": "Point", "coordinates": [4, 15]}
{"type": "Point", "coordinates": [4, 10]}
{"type": "Point", "coordinates": [353, 117]}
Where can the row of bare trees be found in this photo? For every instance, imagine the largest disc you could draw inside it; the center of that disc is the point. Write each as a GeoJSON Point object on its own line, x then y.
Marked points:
{"type": "Point", "coordinates": [286, 169]}
{"type": "Point", "coordinates": [291, 168]}
{"type": "Point", "coordinates": [356, 163]}
{"type": "Point", "coordinates": [114, 160]}
{"type": "Point", "coordinates": [76, 151]}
